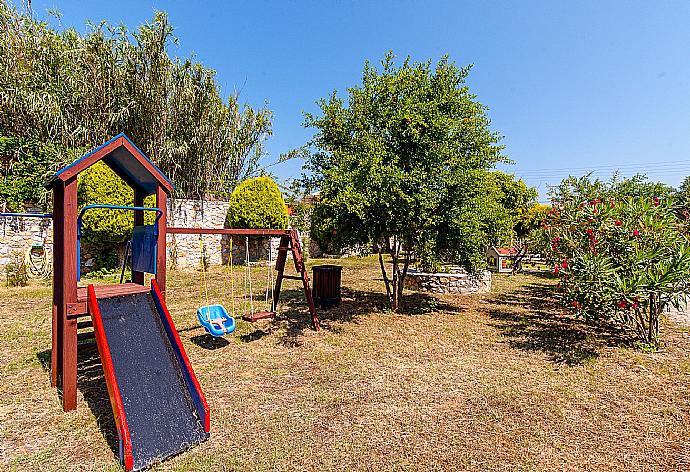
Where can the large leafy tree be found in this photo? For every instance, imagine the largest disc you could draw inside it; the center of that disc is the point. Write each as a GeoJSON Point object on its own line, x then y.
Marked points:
{"type": "Point", "coordinates": [73, 90]}
{"type": "Point", "coordinates": [405, 162]}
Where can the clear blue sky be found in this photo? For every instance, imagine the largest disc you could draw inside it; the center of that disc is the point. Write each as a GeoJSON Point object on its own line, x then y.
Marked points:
{"type": "Point", "coordinates": [571, 85]}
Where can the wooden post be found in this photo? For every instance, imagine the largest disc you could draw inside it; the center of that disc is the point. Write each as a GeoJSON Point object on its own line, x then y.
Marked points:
{"type": "Point", "coordinates": [69, 295]}
{"type": "Point", "coordinates": [58, 277]}
{"type": "Point", "coordinates": [138, 277]}
{"type": "Point", "coordinates": [161, 249]}
{"type": "Point", "coordinates": [280, 268]}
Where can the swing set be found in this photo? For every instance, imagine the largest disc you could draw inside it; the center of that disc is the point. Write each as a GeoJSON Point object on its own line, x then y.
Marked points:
{"type": "Point", "coordinates": [215, 317]}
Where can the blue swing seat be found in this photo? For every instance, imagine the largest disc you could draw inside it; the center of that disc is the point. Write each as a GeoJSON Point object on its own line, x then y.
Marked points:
{"type": "Point", "coordinates": [215, 320]}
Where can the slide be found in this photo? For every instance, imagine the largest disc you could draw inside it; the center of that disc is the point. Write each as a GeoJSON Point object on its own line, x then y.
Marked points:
{"type": "Point", "coordinates": [157, 403]}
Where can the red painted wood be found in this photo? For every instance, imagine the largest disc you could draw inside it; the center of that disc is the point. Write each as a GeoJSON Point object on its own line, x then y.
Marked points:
{"type": "Point", "coordinates": [280, 268]}
{"type": "Point", "coordinates": [162, 181]}
{"type": "Point", "coordinates": [290, 242]}
{"type": "Point", "coordinates": [138, 277]}
{"type": "Point", "coordinates": [178, 341]}
{"type": "Point", "coordinates": [71, 172]}
{"type": "Point", "coordinates": [111, 379]}
{"type": "Point", "coordinates": [107, 291]}
{"type": "Point", "coordinates": [161, 255]}
{"type": "Point", "coordinates": [69, 293]}
{"type": "Point", "coordinates": [302, 270]}
{"type": "Point", "coordinates": [58, 269]}
{"type": "Point", "coordinates": [230, 231]}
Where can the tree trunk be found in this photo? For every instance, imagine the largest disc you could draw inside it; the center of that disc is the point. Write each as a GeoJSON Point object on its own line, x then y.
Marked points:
{"type": "Point", "coordinates": [395, 254]}
{"type": "Point", "coordinates": [387, 282]}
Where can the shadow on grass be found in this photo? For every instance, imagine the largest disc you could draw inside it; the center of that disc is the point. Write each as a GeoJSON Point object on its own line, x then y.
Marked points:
{"type": "Point", "coordinates": [91, 382]}
{"type": "Point", "coordinates": [532, 319]}
{"type": "Point", "coordinates": [208, 342]}
{"type": "Point", "coordinates": [354, 305]}
{"type": "Point", "coordinates": [252, 336]}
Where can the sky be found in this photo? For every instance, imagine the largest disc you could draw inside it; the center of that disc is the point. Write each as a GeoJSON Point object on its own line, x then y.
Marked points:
{"type": "Point", "coordinates": [572, 86]}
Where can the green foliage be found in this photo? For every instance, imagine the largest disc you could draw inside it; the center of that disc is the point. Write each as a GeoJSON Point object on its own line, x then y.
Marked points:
{"type": "Point", "coordinates": [257, 203]}
{"type": "Point", "coordinates": [406, 161]}
{"type": "Point", "coordinates": [622, 259]}
{"type": "Point", "coordinates": [578, 189]}
{"type": "Point", "coordinates": [24, 165]}
{"type": "Point", "coordinates": [682, 199]}
{"type": "Point", "coordinates": [104, 228]}
{"type": "Point", "coordinates": [531, 219]}
{"type": "Point", "coordinates": [77, 90]}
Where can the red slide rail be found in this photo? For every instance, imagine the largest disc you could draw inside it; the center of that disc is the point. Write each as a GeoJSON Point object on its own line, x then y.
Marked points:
{"type": "Point", "coordinates": [126, 457]}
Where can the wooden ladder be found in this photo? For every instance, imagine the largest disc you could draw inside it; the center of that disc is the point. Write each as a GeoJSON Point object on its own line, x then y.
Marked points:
{"type": "Point", "coordinates": [291, 242]}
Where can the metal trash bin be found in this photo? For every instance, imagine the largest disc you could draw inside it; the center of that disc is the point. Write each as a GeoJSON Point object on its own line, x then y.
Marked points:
{"type": "Point", "coordinates": [326, 285]}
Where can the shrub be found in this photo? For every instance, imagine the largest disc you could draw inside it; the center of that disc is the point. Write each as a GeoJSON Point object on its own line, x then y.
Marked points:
{"type": "Point", "coordinates": [257, 203]}
{"type": "Point", "coordinates": [106, 229]}
{"type": "Point", "coordinates": [23, 167]}
{"type": "Point", "coordinates": [623, 260]}
{"type": "Point", "coordinates": [16, 272]}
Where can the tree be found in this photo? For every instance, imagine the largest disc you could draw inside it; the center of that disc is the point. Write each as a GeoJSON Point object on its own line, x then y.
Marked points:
{"type": "Point", "coordinates": [405, 163]}
{"type": "Point", "coordinates": [73, 90]}
{"type": "Point", "coordinates": [585, 188]}
{"type": "Point", "coordinates": [257, 203]}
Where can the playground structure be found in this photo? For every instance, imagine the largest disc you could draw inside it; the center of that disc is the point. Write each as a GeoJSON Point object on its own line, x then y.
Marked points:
{"type": "Point", "coordinates": [157, 402]}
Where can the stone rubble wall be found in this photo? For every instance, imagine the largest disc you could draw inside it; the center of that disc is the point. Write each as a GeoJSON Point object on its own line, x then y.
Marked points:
{"type": "Point", "coordinates": [18, 234]}
{"type": "Point", "coordinates": [454, 282]}
{"type": "Point", "coordinates": [184, 250]}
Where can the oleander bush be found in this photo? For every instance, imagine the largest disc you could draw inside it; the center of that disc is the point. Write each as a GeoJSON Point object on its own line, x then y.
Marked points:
{"type": "Point", "coordinates": [620, 259]}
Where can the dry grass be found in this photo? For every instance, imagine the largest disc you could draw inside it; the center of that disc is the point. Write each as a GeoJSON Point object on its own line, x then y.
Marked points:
{"type": "Point", "coordinates": [498, 382]}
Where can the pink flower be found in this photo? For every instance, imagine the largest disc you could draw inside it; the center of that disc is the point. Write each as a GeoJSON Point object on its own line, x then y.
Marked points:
{"type": "Point", "coordinates": [564, 264]}
{"type": "Point", "coordinates": [656, 201]}
{"type": "Point", "coordinates": [622, 304]}
{"type": "Point", "coordinates": [556, 239]}
{"type": "Point", "coordinates": [556, 269]}
{"type": "Point", "coordinates": [636, 233]}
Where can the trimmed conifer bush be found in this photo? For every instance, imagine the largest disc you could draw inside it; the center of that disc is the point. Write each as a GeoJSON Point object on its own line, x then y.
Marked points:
{"type": "Point", "coordinates": [257, 203]}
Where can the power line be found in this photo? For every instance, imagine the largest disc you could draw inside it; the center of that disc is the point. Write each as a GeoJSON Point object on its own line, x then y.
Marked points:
{"type": "Point", "coordinates": [669, 167]}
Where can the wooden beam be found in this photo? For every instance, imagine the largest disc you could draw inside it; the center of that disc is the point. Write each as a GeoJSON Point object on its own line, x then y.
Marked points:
{"type": "Point", "coordinates": [230, 231]}
{"type": "Point", "coordinates": [69, 293]}
{"type": "Point", "coordinates": [138, 277]}
{"type": "Point", "coordinates": [71, 171]}
{"type": "Point", "coordinates": [161, 248]}
{"type": "Point", "coordinates": [58, 277]}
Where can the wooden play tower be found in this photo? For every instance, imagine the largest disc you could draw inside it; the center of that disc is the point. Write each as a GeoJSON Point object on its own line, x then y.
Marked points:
{"type": "Point", "coordinates": [69, 300]}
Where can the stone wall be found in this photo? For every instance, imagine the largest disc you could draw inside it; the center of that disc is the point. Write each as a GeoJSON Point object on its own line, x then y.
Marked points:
{"type": "Point", "coordinates": [18, 234]}
{"type": "Point", "coordinates": [457, 281]}
{"type": "Point", "coordinates": [184, 250]}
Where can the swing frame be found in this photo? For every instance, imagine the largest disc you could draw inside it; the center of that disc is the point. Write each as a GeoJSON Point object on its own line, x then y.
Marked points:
{"type": "Point", "coordinates": [289, 241]}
